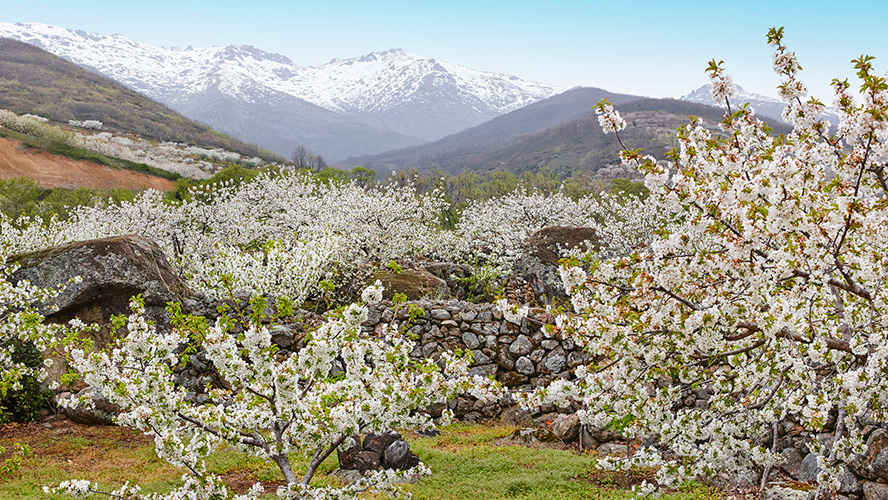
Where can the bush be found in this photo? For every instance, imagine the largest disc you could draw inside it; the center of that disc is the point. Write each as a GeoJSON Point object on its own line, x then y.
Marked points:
{"type": "Point", "coordinates": [24, 404]}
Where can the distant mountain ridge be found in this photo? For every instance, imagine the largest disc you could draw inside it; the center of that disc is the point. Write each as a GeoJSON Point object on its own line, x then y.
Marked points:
{"type": "Point", "coordinates": [560, 133]}
{"type": "Point", "coordinates": [764, 105]}
{"type": "Point", "coordinates": [386, 99]}
{"type": "Point", "coordinates": [34, 81]}
{"type": "Point", "coordinates": [769, 107]}
{"type": "Point", "coordinates": [565, 107]}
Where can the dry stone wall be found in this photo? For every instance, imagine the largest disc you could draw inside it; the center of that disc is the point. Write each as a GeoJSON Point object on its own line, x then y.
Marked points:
{"type": "Point", "coordinates": [519, 356]}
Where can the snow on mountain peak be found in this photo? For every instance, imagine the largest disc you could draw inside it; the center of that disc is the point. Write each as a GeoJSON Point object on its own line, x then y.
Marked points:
{"type": "Point", "coordinates": [702, 96]}
{"type": "Point", "coordinates": [380, 80]}
{"type": "Point", "coordinates": [347, 107]}
{"type": "Point", "coordinates": [767, 106]}
{"type": "Point", "coordinates": [365, 84]}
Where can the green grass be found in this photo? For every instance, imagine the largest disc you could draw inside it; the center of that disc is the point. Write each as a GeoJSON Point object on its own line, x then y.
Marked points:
{"type": "Point", "coordinates": [468, 462]}
{"type": "Point", "coordinates": [472, 462]}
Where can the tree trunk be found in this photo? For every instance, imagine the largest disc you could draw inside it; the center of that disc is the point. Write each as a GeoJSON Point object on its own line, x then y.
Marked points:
{"type": "Point", "coordinates": [283, 463]}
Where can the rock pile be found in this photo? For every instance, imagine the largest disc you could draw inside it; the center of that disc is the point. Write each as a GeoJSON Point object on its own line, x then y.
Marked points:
{"type": "Point", "coordinates": [519, 356]}
{"type": "Point", "coordinates": [378, 451]}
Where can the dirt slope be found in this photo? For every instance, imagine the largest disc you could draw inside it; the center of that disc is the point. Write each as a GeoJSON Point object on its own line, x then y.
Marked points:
{"type": "Point", "coordinates": [51, 171]}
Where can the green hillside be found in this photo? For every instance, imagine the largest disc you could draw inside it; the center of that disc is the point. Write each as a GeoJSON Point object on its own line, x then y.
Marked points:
{"type": "Point", "coordinates": [37, 82]}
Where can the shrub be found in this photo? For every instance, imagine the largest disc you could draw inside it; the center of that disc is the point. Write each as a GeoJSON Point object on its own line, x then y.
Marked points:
{"type": "Point", "coordinates": [24, 404]}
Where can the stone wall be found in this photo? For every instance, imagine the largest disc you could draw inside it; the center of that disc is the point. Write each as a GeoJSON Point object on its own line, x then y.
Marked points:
{"type": "Point", "coordinates": [519, 356]}
{"type": "Point", "coordinates": [524, 356]}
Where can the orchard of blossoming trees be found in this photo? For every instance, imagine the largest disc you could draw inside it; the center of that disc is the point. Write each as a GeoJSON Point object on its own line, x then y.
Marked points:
{"type": "Point", "coordinates": [274, 239]}
{"type": "Point", "coordinates": [753, 275]}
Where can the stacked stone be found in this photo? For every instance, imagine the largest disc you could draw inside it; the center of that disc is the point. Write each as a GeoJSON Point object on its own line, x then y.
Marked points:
{"type": "Point", "coordinates": [866, 476]}
{"type": "Point", "coordinates": [519, 356]}
{"type": "Point", "coordinates": [378, 451]}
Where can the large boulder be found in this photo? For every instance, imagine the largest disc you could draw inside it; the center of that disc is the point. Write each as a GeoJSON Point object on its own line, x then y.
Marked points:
{"type": "Point", "coordinates": [414, 283]}
{"type": "Point", "coordinates": [536, 276]}
{"type": "Point", "coordinates": [111, 271]}
{"type": "Point", "coordinates": [93, 408]}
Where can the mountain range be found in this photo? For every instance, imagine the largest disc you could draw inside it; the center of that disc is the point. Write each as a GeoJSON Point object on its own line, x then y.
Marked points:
{"type": "Point", "coordinates": [370, 104]}
{"type": "Point", "coordinates": [768, 107]}
{"type": "Point", "coordinates": [561, 134]}
{"type": "Point", "coordinates": [385, 110]}
{"type": "Point", "coordinates": [35, 81]}
{"type": "Point", "coordinates": [764, 105]}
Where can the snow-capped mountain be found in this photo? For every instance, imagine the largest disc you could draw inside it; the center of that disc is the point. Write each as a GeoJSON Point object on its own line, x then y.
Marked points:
{"type": "Point", "coordinates": [389, 99]}
{"type": "Point", "coordinates": [763, 105]}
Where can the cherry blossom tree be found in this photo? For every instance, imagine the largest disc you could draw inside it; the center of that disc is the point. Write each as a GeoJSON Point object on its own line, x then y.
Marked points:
{"type": "Point", "coordinates": [339, 384]}
{"type": "Point", "coordinates": [764, 302]}
{"type": "Point", "coordinates": [21, 323]}
{"type": "Point", "coordinates": [494, 231]}
{"type": "Point", "coordinates": [22, 314]}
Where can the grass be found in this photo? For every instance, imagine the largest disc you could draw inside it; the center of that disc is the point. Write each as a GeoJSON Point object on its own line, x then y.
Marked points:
{"type": "Point", "coordinates": [468, 462]}
{"type": "Point", "coordinates": [475, 461]}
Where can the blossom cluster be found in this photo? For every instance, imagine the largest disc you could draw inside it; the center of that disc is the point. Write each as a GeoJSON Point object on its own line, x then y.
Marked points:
{"type": "Point", "coordinates": [33, 125]}
{"type": "Point", "coordinates": [188, 161]}
{"type": "Point", "coordinates": [608, 118]}
{"type": "Point", "coordinates": [279, 232]}
{"type": "Point", "coordinates": [21, 324]}
{"type": "Point", "coordinates": [721, 85]}
{"type": "Point", "coordinates": [494, 231]}
{"type": "Point", "coordinates": [90, 124]}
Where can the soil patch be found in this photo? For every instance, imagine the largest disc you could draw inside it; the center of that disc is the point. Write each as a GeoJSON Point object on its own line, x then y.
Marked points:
{"type": "Point", "coordinates": [46, 436]}
{"type": "Point", "coordinates": [241, 481]}
{"type": "Point", "coordinates": [54, 171]}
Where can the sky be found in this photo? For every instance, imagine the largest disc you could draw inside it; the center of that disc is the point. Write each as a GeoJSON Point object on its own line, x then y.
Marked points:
{"type": "Point", "coordinates": [650, 48]}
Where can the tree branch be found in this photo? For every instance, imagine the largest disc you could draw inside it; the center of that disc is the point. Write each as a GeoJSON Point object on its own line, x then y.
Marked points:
{"type": "Point", "coordinates": [319, 457]}
{"type": "Point", "coordinates": [686, 302]}
{"type": "Point", "coordinates": [741, 350]}
{"type": "Point", "coordinates": [252, 438]}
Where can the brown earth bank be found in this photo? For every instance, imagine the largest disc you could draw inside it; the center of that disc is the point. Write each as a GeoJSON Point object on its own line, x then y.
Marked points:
{"type": "Point", "coordinates": [54, 171]}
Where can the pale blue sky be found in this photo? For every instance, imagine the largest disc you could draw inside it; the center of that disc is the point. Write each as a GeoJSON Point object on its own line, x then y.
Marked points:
{"type": "Point", "coordinates": [639, 47]}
